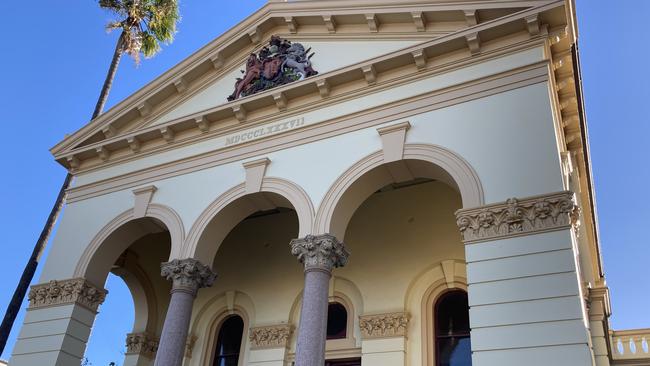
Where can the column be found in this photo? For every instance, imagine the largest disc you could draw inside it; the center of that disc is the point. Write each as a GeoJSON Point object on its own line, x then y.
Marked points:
{"type": "Point", "coordinates": [57, 324]}
{"type": "Point", "coordinates": [187, 276]}
{"type": "Point", "coordinates": [383, 339]}
{"type": "Point", "coordinates": [319, 254]}
{"type": "Point", "coordinates": [525, 294]}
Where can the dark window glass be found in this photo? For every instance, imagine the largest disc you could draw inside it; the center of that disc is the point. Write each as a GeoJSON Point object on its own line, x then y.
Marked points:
{"type": "Point", "coordinates": [452, 330]}
{"type": "Point", "coordinates": [229, 342]}
{"type": "Point", "coordinates": [337, 321]}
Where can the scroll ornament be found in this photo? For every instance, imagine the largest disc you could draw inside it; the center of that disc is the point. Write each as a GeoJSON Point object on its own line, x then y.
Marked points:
{"type": "Point", "coordinates": [321, 251]}
{"type": "Point", "coordinates": [275, 336]}
{"type": "Point", "coordinates": [515, 217]}
{"type": "Point", "coordinates": [383, 325]}
{"type": "Point", "coordinates": [71, 291]}
{"type": "Point", "coordinates": [141, 344]}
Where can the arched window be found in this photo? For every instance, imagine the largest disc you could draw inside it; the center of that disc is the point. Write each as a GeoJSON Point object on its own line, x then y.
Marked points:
{"type": "Point", "coordinates": [452, 330]}
{"type": "Point", "coordinates": [229, 342]}
{"type": "Point", "coordinates": [337, 321]}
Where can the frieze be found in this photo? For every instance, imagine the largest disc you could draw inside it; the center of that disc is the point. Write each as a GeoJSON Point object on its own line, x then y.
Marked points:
{"type": "Point", "coordinates": [320, 251]}
{"type": "Point", "coordinates": [516, 217]}
{"type": "Point", "coordinates": [383, 325]}
{"type": "Point", "coordinates": [141, 344]}
{"type": "Point", "coordinates": [274, 336]}
{"type": "Point", "coordinates": [71, 291]}
{"type": "Point", "coordinates": [279, 63]}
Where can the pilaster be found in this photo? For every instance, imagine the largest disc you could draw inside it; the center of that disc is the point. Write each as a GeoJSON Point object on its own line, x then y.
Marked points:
{"type": "Point", "coordinates": [57, 323]}
{"type": "Point", "coordinates": [268, 344]}
{"type": "Point", "coordinates": [383, 339]}
{"type": "Point", "coordinates": [523, 286]}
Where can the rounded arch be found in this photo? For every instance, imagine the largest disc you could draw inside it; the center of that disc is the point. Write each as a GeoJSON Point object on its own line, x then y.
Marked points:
{"type": "Point", "coordinates": [229, 209]}
{"type": "Point", "coordinates": [441, 163]}
{"type": "Point", "coordinates": [95, 262]}
{"type": "Point", "coordinates": [210, 316]}
{"type": "Point", "coordinates": [423, 292]}
{"type": "Point", "coordinates": [143, 294]}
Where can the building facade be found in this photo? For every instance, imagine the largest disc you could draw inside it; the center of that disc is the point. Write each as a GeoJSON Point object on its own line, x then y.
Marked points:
{"type": "Point", "coordinates": [383, 183]}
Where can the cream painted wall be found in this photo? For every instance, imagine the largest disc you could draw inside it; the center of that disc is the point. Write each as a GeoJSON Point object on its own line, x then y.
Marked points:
{"type": "Point", "coordinates": [347, 52]}
{"type": "Point", "coordinates": [394, 237]}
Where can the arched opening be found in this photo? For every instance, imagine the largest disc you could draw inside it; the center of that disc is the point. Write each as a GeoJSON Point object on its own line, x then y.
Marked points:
{"type": "Point", "coordinates": [453, 347]}
{"type": "Point", "coordinates": [249, 240]}
{"type": "Point", "coordinates": [337, 321]}
{"type": "Point", "coordinates": [127, 262]}
{"type": "Point", "coordinates": [229, 339]}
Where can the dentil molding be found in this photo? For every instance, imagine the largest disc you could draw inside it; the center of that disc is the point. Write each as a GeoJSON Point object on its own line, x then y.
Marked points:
{"type": "Point", "coordinates": [320, 251]}
{"type": "Point", "coordinates": [274, 336]}
{"type": "Point", "coordinates": [141, 344]}
{"type": "Point", "coordinates": [71, 291]}
{"type": "Point", "coordinates": [383, 325]}
{"type": "Point", "coordinates": [518, 217]}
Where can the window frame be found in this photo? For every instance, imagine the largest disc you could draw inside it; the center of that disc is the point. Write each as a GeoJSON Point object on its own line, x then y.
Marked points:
{"type": "Point", "coordinates": [209, 355]}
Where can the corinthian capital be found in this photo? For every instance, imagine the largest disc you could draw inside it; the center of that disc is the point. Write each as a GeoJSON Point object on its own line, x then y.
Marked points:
{"type": "Point", "coordinates": [187, 273]}
{"type": "Point", "coordinates": [322, 251]}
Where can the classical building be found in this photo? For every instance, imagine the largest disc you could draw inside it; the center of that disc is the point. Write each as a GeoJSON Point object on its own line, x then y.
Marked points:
{"type": "Point", "coordinates": [361, 182]}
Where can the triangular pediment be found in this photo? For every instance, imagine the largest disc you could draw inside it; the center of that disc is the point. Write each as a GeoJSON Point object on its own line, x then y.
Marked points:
{"type": "Point", "coordinates": [342, 38]}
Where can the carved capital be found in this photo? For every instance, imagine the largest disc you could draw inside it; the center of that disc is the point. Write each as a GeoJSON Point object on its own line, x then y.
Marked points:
{"type": "Point", "coordinates": [188, 274]}
{"type": "Point", "coordinates": [383, 325]}
{"type": "Point", "coordinates": [321, 251]}
{"type": "Point", "coordinates": [141, 344]}
{"type": "Point", "coordinates": [72, 291]}
{"type": "Point", "coordinates": [519, 217]}
{"type": "Point", "coordinates": [274, 336]}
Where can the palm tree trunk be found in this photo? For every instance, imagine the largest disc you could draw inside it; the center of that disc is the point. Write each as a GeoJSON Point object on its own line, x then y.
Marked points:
{"type": "Point", "coordinates": [108, 83]}
{"type": "Point", "coordinates": [39, 248]}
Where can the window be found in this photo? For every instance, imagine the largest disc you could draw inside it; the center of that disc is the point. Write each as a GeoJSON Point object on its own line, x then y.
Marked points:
{"type": "Point", "coordinates": [229, 342]}
{"type": "Point", "coordinates": [452, 330]}
{"type": "Point", "coordinates": [337, 321]}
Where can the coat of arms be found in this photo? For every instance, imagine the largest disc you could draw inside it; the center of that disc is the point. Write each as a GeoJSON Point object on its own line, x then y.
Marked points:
{"type": "Point", "coordinates": [279, 63]}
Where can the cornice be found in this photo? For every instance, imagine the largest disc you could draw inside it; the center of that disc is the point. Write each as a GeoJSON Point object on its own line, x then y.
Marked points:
{"type": "Point", "coordinates": [225, 115]}
{"type": "Point", "coordinates": [402, 109]}
{"type": "Point", "coordinates": [516, 217]}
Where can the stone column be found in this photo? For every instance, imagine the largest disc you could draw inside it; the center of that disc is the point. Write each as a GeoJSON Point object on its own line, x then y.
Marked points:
{"type": "Point", "coordinates": [525, 294]}
{"type": "Point", "coordinates": [319, 254]}
{"type": "Point", "coordinates": [57, 323]}
{"type": "Point", "coordinates": [187, 276]}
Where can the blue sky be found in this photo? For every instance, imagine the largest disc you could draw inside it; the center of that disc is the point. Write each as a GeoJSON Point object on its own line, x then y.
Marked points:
{"type": "Point", "coordinates": [55, 58]}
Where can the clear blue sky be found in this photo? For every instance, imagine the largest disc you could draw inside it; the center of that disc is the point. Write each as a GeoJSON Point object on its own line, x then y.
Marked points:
{"type": "Point", "coordinates": [55, 57]}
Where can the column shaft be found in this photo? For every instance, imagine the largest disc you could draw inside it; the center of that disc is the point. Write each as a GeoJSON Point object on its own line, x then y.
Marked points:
{"type": "Point", "coordinates": [174, 335]}
{"type": "Point", "coordinates": [312, 331]}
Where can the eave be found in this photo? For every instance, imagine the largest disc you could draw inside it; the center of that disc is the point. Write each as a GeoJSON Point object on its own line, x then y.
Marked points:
{"type": "Point", "coordinates": [300, 19]}
{"type": "Point", "coordinates": [365, 77]}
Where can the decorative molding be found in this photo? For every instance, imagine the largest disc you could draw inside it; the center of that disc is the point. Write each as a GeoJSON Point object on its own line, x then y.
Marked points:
{"type": "Point", "coordinates": [383, 325]}
{"type": "Point", "coordinates": [320, 252]}
{"type": "Point", "coordinates": [518, 217]}
{"type": "Point", "coordinates": [273, 336]}
{"type": "Point", "coordinates": [189, 345]}
{"type": "Point", "coordinates": [141, 344]}
{"type": "Point", "coordinates": [142, 199]}
{"type": "Point", "coordinates": [187, 274]}
{"type": "Point", "coordinates": [64, 292]}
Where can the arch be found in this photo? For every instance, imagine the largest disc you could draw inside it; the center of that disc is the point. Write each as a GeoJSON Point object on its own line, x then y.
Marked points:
{"type": "Point", "coordinates": [420, 297]}
{"type": "Point", "coordinates": [335, 212]}
{"type": "Point", "coordinates": [230, 214]}
{"type": "Point", "coordinates": [123, 230]}
{"type": "Point", "coordinates": [211, 315]}
{"type": "Point", "coordinates": [143, 293]}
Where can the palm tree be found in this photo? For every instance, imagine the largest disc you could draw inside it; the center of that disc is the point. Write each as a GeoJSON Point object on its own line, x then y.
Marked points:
{"type": "Point", "coordinates": [144, 25]}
